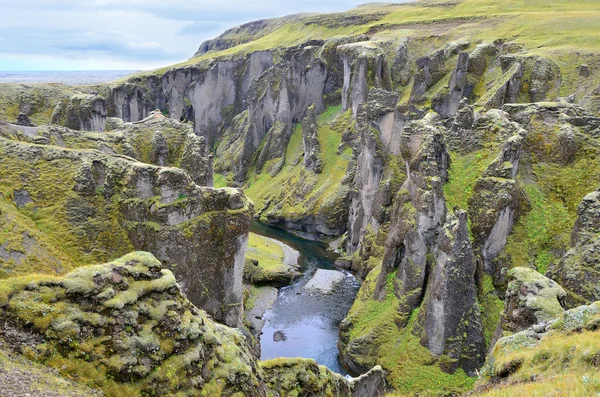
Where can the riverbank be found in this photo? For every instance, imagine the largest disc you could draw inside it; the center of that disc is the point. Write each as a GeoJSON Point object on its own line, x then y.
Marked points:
{"type": "Point", "coordinates": [303, 323]}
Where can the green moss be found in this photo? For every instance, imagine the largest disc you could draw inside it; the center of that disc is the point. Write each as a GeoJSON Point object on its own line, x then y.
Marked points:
{"type": "Point", "coordinates": [411, 367]}
{"type": "Point", "coordinates": [300, 192]}
{"type": "Point", "coordinates": [491, 309]}
{"type": "Point", "coordinates": [142, 288]}
{"type": "Point", "coordinates": [220, 180]}
{"type": "Point", "coordinates": [464, 171]}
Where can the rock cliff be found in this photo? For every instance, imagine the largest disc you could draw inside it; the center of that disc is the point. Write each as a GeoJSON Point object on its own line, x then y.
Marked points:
{"type": "Point", "coordinates": [126, 327]}
{"type": "Point", "coordinates": [101, 206]}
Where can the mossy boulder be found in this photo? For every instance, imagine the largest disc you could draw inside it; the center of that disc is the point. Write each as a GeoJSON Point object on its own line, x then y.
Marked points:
{"type": "Point", "coordinates": [130, 322]}
{"type": "Point", "coordinates": [303, 377]}
{"type": "Point", "coordinates": [531, 299]}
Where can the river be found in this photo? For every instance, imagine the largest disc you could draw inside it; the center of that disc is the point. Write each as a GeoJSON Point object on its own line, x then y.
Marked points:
{"type": "Point", "coordinates": [302, 323]}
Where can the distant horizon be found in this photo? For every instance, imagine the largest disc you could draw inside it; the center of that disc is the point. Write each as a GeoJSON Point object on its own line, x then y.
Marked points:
{"type": "Point", "coordinates": [67, 77]}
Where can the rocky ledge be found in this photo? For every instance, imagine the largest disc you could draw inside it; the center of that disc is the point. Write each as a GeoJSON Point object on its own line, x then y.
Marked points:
{"type": "Point", "coordinates": [100, 206]}
{"type": "Point", "coordinates": [126, 327]}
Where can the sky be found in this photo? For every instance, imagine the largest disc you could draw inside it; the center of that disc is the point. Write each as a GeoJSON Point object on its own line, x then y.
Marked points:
{"type": "Point", "coordinates": [126, 34]}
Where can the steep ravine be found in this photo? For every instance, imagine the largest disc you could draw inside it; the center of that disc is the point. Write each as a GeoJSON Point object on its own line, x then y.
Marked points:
{"type": "Point", "coordinates": [304, 323]}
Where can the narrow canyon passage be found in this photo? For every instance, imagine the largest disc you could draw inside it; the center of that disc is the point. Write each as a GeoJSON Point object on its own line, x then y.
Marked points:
{"type": "Point", "coordinates": [304, 322]}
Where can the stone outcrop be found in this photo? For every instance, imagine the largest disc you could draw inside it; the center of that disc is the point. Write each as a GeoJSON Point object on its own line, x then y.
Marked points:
{"type": "Point", "coordinates": [129, 321]}
{"type": "Point", "coordinates": [364, 66]}
{"type": "Point", "coordinates": [496, 201]}
{"type": "Point", "coordinates": [419, 212]}
{"type": "Point", "coordinates": [451, 316]}
{"type": "Point", "coordinates": [103, 206]}
{"type": "Point", "coordinates": [531, 299]}
{"type": "Point", "coordinates": [207, 93]}
{"type": "Point", "coordinates": [429, 262]}
{"type": "Point", "coordinates": [515, 357]}
{"type": "Point", "coordinates": [312, 148]}
{"type": "Point", "coordinates": [367, 177]}
{"type": "Point", "coordinates": [155, 140]}
{"type": "Point", "coordinates": [83, 112]}
{"type": "Point", "coordinates": [579, 270]}
{"type": "Point", "coordinates": [23, 120]}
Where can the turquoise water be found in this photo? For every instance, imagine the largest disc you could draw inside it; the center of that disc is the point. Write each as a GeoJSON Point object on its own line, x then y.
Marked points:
{"type": "Point", "coordinates": [301, 324]}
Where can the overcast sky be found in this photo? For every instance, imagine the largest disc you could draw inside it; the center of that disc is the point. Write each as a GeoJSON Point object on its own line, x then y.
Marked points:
{"type": "Point", "coordinates": [126, 34]}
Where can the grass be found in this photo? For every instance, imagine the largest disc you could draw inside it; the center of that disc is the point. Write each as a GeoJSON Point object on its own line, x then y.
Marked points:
{"type": "Point", "coordinates": [464, 172]}
{"type": "Point", "coordinates": [300, 192]}
{"type": "Point", "coordinates": [37, 378]}
{"type": "Point", "coordinates": [491, 309]}
{"type": "Point", "coordinates": [562, 364]}
{"type": "Point", "coordinates": [542, 230]}
{"type": "Point", "coordinates": [220, 180]}
{"type": "Point", "coordinates": [412, 369]}
{"type": "Point", "coordinates": [569, 384]}
{"type": "Point", "coordinates": [268, 253]}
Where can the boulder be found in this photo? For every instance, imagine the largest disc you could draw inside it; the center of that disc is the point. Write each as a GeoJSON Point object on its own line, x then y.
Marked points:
{"type": "Point", "coordinates": [325, 281]}
{"type": "Point", "coordinates": [531, 299]}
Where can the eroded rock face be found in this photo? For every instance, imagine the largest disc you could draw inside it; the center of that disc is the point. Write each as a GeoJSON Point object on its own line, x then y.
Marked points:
{"type": "Point", "coordinates": [451, 316]}
{"type": "Point", "coordinates": [428, 263]}
{"type": "Point", "coordinates": [81, 112]}
{"type": "Point", "coordinates": [419, 212]}
{"type": "Point", "coordinates": [367, 176]}
{"type": "Point", "coordinates": [496, 201]}
{"type": "Point", "coordinates": [155, 140]}
{"type": "Point", "coordinates": [130, 318]}
{"type": "Point", "coordinates": [579, 270]}
{"type": "Point", "coordinates": [107, 205]}
{"type": "Point", "coordinates": [312, 148]}
{"type": "Point", "coordinates": [207, 93]}
{"type": "Point", "coordinates": [531, 299]}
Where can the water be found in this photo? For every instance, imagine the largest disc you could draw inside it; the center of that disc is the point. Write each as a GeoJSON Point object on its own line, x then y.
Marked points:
{"type": "Point", "coordinates": [309, 322]}
{"type": "Point", "coordinates": [69, 77]}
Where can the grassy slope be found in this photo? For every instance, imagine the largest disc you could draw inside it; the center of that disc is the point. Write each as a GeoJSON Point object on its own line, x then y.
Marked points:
{"type": "Point", "coordinates": [323, 187]}
{"type": "Point", "coordinates": [268, 254]}
{"type": "Point", "coordinates": [36, 379]}
{"type": "Point", "coordinates": [544, 27]}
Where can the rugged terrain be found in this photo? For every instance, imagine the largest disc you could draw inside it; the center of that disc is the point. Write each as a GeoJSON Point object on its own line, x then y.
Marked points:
{"type": "Point", "coordinates": [449, 151]}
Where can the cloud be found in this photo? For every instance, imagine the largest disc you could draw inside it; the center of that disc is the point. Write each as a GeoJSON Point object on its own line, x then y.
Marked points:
{"type": "Point", "coordinates": [127, 32]}
{"type": "Point", "coordinates": [199, 28]}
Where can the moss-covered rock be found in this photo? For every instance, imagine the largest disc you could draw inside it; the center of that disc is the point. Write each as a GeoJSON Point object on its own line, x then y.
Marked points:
{"type": "Point", "coordinates": [85, 112]}
{"type": "Point", "coordinates": [101, 206]}
{"type": "Point", "coordinates": [303, 377]}
{"type": "Point", "coordinates": [531, 299]}
{"type": "Point", "coordinates": [128, 323]}
{"type": "Point", "coordinates": [579, 269]}
{"type": "Point", "coordinates": [178, 146]}
{"type": "Point", "coordinates": [560, 358]}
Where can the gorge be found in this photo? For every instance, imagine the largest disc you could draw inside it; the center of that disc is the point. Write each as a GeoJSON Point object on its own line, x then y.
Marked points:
{"type": "Point", "coordinates": [430, 170]}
